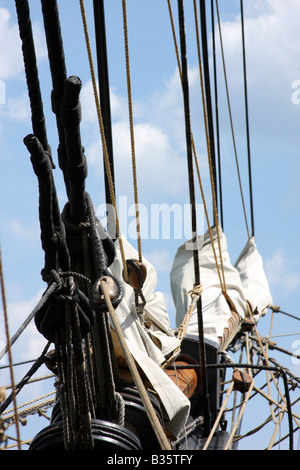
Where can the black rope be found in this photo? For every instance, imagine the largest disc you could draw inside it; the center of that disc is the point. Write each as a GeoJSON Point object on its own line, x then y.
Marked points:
{"type": "Point", "coordinates": [30, 317]}
{"type": "Point", "coordinates": [208, 91]}
{"type": "Point", "coordinates": [31, 72]}
{"type": "Point", "coordinates": [247, 118]}
{"type": "Point", "coordinates": [287, 314]}
{"type": "Point", "coordinates": [66, 106]}
{"type": "Point", "coordinates": [55, 49]}
{"type": "Point", "coordinates": [289, 408]}
{"type": "Point", "coordinates": [80, 382]}
{"type": "Point", "coordinates": [101, 258]}
{"type": "Point", "coordinates": [51, 319]}
{"type": "Point", "coordinates": [217, 113]}
{"type": "Point", "coordinates": [185, 86]}
{"type": "Point", "coordinates": [57, 66]}
{"type": "Point", "coordinates": [277, 348]}
{"type": "Point", "coordinates": [38, 363]}
{"type": "Point", "coordinates": [52, 228]}
{"type": "Point", "coordinates": [74, 166]}
{"type": "Point", "coordinates": [103, 79]}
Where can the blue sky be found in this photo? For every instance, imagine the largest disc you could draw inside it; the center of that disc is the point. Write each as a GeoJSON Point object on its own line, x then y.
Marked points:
{"type": "Point", "coordinates": [273, 43]}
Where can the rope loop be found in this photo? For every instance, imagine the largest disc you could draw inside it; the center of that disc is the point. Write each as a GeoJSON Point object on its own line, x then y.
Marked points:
{"type": "Point", "coordinates": [52, 277]}
{"type": "Point", "coordinates": [196, 291]}
{"type": "Point", "coordinates": [52, 313]}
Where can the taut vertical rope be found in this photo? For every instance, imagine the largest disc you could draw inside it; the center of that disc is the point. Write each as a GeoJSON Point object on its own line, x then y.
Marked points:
{"type": "Point", "coordinates": [133, 157]}
{"type": "Point", "coordinates": [247, 118]}
{"type": "Point", "coordinates": [222, 282]}
{"type": "Point", "coordinates": [217, 112]}
{"type": "Point", "coordinates": [231, 120]}
{"type": "Point", "coordinates": [211, 158]}
{"type": "Point", "coordinates": [210, 123]}
{"type": "Point", "coordinates": [185, 87]}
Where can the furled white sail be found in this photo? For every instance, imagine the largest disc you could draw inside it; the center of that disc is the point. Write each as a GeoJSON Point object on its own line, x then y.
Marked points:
{"type": "Point", "coordinates": [255, 285]}
{"type": "Point", "coordinates": [151, 339]}
{"type": "Point", "coordinates": [245, 282]}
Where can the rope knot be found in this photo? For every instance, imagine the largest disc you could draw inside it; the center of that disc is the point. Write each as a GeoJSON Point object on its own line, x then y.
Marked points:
{"type": "Point", "coordinates": [53, 277]}
{"type": "Point", "coordinates": [196, 291]}
{"type": "Point", "coordinates": [52, 314]}
{"type": "Point", "coordinates": [275, 308]}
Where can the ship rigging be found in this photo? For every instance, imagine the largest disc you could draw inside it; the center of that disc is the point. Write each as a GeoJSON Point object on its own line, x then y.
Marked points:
{"type": "Point", "coordinates": [124, 379]}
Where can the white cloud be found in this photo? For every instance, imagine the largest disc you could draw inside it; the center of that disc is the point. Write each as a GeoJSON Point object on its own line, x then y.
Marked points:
{"type": "Point", "coordinates": [16, 108]}
{"type": "Point", "coordinates": [160, 168]}
{"type": "Point", "coordinates": [272, 39]}
{"type": "Point", "coordinates": [159, 138]}
{"type": "Point", "coordinates": [10, 51]}
{"type": "Point", "coordinates": [30, 343]}
{"type": "Point", "coordinates": [160, 259]}
{"type": "Point", "coordinates": [31, 233]}
{"type": "Point", "coordinates": [272, 45]}
{"type": "Point", "coordinates": [281, 274]}
{"type": "Point", "coordinates": [10, 45]}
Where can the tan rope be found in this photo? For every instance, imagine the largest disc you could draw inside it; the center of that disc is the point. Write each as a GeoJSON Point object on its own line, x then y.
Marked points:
{"type": "Point", "coordinates": [102, 132]}
{"type": "Point", "coordinates": [268, 376]}
{"type": "Point", "coordinates": [195, 293]}
{"type": "Point", "coordinates": [12, 446]}
{"type": "Point", "coordinates": [246, 399]}
{"type": "Point", "coordinates": [248, 351]}
{"type": "Point", "coordinates": [214, 197]}
{"type": "Point", "coordinates": [220, 414]}
{"type": "Point", "coordinates": [284, 407]}
{"type": "Point", "coordinates": [39, 405]}
{"type": "Point", "coordinates": [182, 330]}
{"type": "Point", "coordinates": [269, 398]}
{"type": "Point", "coordinates": [156, 425]}
{"type": "Point", "coordinates": [266, 359]}
{"type": "Point", "coordinates": [133, 156]}
{"type": "Point", "coordinates": [222, 281]}
{"type": "Point", "coordinates": [9, 352]}
{"type": "Point", "coordinates": [278, 423]}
